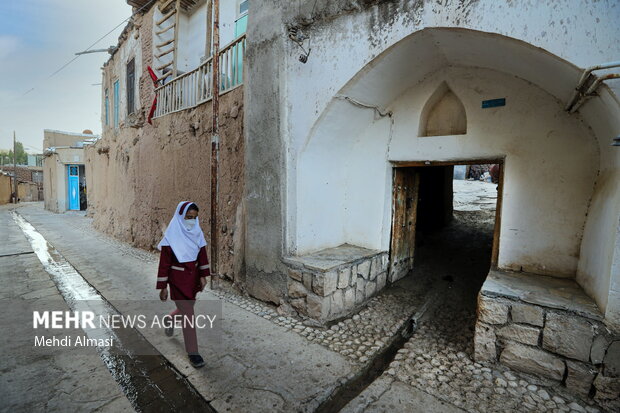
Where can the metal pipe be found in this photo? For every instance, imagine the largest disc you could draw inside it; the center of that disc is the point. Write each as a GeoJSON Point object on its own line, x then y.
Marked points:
{"type": "Point", "coordinates": [209, 28]}
{"type": "Point", "coordinates": [215, 144]}
{"type": "Point", "coordinates": [110, 50]}
{"type": "Point", "coordinates": [599, 80]}
{"type": "Point", "coordinates": [14, 169]}
{"type": "Point", "coordinates": [584, 77]}
{"type": "Point", "coordinates": [589, 93]}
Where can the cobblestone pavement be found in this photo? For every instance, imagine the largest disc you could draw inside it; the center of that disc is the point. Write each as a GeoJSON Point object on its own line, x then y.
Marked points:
{"type": "Point", "coordinates": [358, 337]}
{"type": "Point", "coordinates": [438, 359]}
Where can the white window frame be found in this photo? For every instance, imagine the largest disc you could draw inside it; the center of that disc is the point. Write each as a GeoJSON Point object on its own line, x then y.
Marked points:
{"type": "Point", "coordinates": [239, 13]}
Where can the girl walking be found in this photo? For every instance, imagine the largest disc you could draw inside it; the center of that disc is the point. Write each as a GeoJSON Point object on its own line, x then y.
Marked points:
{"type": "Point", "coordinates": [183, 266]}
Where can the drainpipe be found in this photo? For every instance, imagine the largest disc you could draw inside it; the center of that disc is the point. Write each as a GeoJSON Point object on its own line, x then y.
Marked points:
{"type": "Point", "coordinates": [582, 81]}
{"type": "Point", "coordinates": [215, 139]}
{"type": "Point", "coordinates": [590, 92]}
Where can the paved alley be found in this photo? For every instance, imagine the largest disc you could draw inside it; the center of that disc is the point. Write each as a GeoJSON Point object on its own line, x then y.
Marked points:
{"type": "Point", "coordinates": [264, 361]}
{"type": "Point", "coordinates": [31, 381]}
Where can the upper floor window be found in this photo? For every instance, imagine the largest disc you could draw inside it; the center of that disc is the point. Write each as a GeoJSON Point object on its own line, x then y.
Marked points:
{"type": "Point", "coordinates": [243, 7]}
{"type": "Point", "coordinates": [241, 23]}
{"type": "Point", "coordinates": [117, 103]}
{"type": "Point", "coordinates": [131, 86]}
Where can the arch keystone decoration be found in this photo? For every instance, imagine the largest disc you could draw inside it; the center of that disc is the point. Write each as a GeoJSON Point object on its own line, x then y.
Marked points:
{"type": "Point", "coordinates": [443, 114]}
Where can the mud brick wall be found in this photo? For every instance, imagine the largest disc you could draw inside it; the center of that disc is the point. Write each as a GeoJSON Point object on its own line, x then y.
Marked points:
{"type": "Point", "coordinates": [578, 351]}
{"type": "Point", "coordinates": [338, 291]}
{"type": "Point", "coordinates": [138, 173]}
{"type": "Point", "coordinates": [23, 173]}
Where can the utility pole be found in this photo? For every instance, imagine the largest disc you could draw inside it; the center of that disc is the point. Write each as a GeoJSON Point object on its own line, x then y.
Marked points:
{"type": "Point", "coordinates": [215, 139]}
{"type": "Point", "coordinates": [14, 169]}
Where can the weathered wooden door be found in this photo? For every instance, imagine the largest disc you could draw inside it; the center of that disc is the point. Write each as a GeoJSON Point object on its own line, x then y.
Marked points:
{"type": "Point", "coordinates": [406, 184]}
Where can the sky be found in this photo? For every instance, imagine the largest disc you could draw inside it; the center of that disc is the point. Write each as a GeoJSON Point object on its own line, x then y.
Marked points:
{"type": "Point", "coordinates": [37, 37]}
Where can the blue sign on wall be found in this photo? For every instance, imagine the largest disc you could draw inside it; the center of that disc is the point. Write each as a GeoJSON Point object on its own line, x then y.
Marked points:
{"type": "Point", "coordinates": [493, 103]}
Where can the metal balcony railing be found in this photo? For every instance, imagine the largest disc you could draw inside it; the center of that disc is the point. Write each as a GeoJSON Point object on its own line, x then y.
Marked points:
{"type": "Point", "coordinates": [195, 87]}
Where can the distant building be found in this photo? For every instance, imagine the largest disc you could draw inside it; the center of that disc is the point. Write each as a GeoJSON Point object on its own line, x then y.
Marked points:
{"type": "Point", "coordinates": [35, 160]}
{"type": "Point", "coordinates": [29, 183]}
{"type": "Point", "coordinates": [64, 174]}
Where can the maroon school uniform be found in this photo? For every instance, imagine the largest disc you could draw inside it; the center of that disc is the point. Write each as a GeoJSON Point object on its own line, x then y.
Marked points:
{"type": "Point", "coordinates": [183, 278]}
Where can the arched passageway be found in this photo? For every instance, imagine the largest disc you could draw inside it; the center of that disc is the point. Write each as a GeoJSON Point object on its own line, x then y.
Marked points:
{"type": "Point", "coordinates": [344, 170]}
{"type": "Point", "coordinates": [450, 97]}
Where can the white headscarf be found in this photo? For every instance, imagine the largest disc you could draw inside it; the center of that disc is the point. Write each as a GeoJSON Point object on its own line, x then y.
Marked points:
{"type": "Point", "coordinates": [184, 243]}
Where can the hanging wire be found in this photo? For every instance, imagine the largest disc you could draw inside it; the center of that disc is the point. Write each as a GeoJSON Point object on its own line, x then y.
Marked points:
{"type": "Point", "coordinates": [97, 41]}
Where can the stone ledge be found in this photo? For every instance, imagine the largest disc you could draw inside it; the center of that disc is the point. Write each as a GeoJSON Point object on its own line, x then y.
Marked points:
{"type": "Point", "coordinates": [331, 258]}
{"type": "Point", "coordinates": [333, 283]}
{"type": "Point", "coordinates": [548, 327]}
{"type": "Point", "coordinates": [559, 293]}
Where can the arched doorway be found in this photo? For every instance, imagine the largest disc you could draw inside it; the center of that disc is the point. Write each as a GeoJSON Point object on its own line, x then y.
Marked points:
{"type": "Point", "coordinates": [498, 99]}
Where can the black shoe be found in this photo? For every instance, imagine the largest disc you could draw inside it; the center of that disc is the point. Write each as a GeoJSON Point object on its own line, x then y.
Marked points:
{"type": "Point", "coordinates": [169, 330]}
{"type": "Point", "coordinates": [196, 360]}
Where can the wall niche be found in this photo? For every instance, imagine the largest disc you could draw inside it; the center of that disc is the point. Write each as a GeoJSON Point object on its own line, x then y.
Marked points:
{"type": "Point", "coordinates": [443, 114]}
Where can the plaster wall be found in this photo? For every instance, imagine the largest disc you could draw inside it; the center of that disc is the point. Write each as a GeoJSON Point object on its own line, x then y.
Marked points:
{"type": "Point", "coordinates": [612, 314]}
{"type": "Point", "coordinates": [347, 37]}
{"type": "Point", "coordinates": [192, 37]}
{"type": "Point", "coordinates": [5, 189]}
{"type": "Point", "coordinates": [228, 16]}
{"type": "Point", "coordinates": [193, 32]}
{"type": "Point", "coordinates": [54, 185]}
{"type": "Point", "coordinates": [54, 138]}
{"type": "Point", "coordinates": [550, 168]}
{"type": "Point", "coordinates": [598, 271]}
{"type": "Point", "coordinates": [27, 192]}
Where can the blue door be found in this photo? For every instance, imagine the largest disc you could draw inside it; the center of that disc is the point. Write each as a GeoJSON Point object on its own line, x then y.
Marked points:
{"type": "Point", "coordinates": [74, 187]}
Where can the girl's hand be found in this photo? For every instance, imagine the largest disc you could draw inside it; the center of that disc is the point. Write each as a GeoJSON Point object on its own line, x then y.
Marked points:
{"type": "Point", "coordinates": [163, 294]}
{"type": "Point", "coordinates": [203, 283]}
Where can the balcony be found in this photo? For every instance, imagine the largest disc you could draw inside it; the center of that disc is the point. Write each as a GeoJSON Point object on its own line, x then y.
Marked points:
{"type": "Point", "coordinates": [196, 87]}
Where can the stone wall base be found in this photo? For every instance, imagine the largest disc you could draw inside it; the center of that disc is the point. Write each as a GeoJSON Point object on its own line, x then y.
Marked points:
{"type": "Point", "coordinates": [329, 292]}
{"type": "Point", "coordinates": [573, 348]}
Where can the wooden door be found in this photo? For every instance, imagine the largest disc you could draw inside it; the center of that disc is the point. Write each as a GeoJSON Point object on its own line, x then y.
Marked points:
{"type": "Point", "coordinates": [406, 186]}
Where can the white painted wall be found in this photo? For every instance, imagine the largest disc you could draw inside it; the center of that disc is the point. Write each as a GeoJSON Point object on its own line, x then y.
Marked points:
{"type": "Point", "coordinates": [228, 15]}
{"type": "Point", "coordinates": [551, 166]}
{"type": "Point", "coordinates": [192, 38]}
{"type": "Point", "coordinates": [581, 33]}
{"type": "Point", "coordinates": [600, 241]}
{"type": "Point", "coordinates": [193, 32]}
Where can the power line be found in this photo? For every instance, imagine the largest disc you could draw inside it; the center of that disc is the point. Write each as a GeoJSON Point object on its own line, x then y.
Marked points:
{"type": "Point", "coordinates": [97, 41]}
